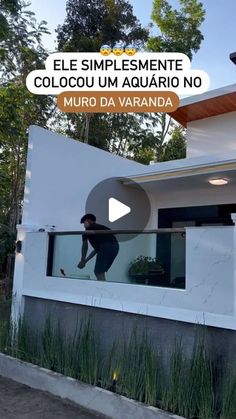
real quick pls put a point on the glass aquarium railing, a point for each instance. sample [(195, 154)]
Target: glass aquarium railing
[(151, 258)]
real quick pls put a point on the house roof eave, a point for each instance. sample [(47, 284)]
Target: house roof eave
[(212, 103), (182, 171)]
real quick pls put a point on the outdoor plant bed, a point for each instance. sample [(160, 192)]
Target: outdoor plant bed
[(191, 386)]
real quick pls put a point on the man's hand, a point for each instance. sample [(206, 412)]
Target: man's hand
[(81, 264)]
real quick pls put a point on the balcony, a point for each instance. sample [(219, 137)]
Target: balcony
[(155, 258), (193, 281)]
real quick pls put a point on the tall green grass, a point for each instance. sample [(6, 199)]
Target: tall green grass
[(51, 347), (110, 368), (5, 311), (200, 391), (138, 369), (87, 347), (134, 368), (189, 388), (174, 385), (5, 308), (229, 394), (4, 331), (76, 356)]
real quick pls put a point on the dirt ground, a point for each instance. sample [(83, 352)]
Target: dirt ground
[(18, 401)]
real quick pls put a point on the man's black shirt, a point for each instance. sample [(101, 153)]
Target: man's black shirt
[(97, 239)]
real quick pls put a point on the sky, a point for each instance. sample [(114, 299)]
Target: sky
[(218, 29)]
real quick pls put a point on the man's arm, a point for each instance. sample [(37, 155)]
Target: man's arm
[(92, 254), (84, 251)]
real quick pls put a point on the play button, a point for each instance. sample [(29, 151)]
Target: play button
[(117, 210), (120, 204)]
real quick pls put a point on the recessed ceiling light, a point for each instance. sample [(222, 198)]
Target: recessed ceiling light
[(218, 181)]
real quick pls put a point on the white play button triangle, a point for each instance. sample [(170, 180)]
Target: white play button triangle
[(117, 210)]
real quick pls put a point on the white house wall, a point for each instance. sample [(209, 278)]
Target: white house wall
[(214, 135), (60, 174)]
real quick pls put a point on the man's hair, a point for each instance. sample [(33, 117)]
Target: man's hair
[(88, 217)]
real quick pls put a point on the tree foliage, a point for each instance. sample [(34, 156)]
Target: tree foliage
[(8, 8), (21, 51), (90, 24), (87, 26), (18, 109), (114, 132), (179, 32), (179, 29), (175, 148)]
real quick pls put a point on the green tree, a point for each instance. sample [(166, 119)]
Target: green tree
[(179, 29), (90, 128), (21, 51), (8, 8), (175, 148), (179, 32), (90, 24), (144, 155), (18, 109), (155, 129), (118, 133), (87, 27)]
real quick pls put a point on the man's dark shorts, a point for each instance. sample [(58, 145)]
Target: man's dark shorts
[(106, 256)]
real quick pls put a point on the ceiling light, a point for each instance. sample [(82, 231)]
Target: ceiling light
[(218, 181)]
